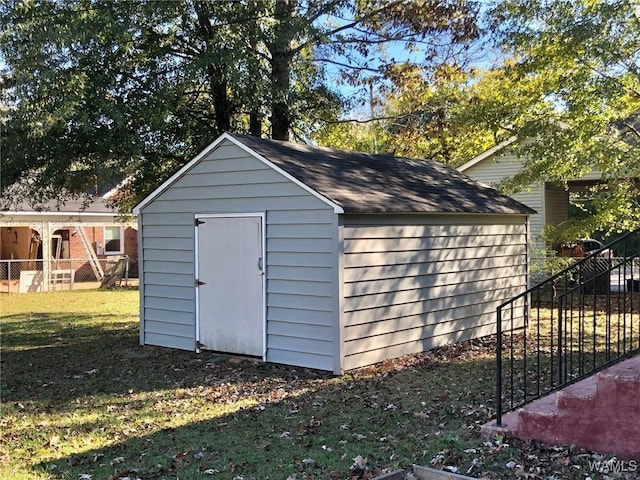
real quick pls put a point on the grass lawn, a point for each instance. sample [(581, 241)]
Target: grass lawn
[(81, 397)]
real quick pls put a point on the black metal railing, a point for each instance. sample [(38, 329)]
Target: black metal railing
[(574, 323)]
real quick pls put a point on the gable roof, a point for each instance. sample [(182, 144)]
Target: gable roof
[(355, 182), (487, 153)]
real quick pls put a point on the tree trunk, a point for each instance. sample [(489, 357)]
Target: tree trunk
[(281, 57), (255, 116), (222, 106), (255, 124)]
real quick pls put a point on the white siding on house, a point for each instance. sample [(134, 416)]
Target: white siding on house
[(551, 202), (413, 283), (493, 170), (301, 256)]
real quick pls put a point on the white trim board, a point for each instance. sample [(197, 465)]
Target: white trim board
[(487, 153)]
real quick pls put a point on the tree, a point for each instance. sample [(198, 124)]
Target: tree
[(103, 90), (98, 91), (575, 97), (439, 114), (568, 86)]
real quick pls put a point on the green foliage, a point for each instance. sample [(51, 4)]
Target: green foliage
[(360, 137), (568, 88), (576, 82), (424, 113), (436, 115), (106, 89), (98, 91), (545, 264)]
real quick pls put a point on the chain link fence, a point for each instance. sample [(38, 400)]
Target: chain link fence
[(25, 276)]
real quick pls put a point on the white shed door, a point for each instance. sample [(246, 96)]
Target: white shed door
[(231, 298)]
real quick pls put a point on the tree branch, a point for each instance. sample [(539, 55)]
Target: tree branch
[(361, 121), (632, 128), (614, 79), (349, 25), (346, 65)]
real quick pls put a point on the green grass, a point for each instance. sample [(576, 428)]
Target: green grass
[(81, 396)]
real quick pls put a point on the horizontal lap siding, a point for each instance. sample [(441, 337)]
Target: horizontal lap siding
[(300, 258), (168, 292), (301, 283), (535, 200), (556, 204), (416, 286), (493, 170)]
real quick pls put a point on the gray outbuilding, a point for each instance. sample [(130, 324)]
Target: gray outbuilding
[(323, 258)]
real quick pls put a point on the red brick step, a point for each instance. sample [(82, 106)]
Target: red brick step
[(600, 413)]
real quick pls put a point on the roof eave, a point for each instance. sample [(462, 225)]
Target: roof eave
[(227, 136), (173, 178), (487, 153)]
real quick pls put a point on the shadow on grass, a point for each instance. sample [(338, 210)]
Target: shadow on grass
[(62, 357), (92, 401), (300, 421)]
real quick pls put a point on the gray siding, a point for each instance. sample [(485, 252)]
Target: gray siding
[(301, 258), (168, 299), (301, 277), (413, 283)]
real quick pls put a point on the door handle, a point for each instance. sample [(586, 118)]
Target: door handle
[(260, 266)]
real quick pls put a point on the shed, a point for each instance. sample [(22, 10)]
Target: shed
[(323, 258)]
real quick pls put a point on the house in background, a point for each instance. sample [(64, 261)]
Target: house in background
[(64, 244), (550, 201), (324, 258)]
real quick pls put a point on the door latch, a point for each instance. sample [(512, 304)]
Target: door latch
[(260, 266)]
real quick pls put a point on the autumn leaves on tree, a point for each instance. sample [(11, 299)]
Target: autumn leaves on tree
[(93, 91)]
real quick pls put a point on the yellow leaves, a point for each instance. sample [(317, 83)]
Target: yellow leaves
[(54, 441), (25, 6), (406, 74)]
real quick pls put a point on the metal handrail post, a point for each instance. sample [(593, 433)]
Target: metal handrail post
[(560, 342), (499, 368)]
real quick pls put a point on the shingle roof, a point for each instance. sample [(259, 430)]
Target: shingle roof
[(367, 183), (74, 206)]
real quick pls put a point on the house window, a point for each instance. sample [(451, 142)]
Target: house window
[(113, 240)]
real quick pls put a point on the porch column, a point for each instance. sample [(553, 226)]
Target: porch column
[(46, 256)]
